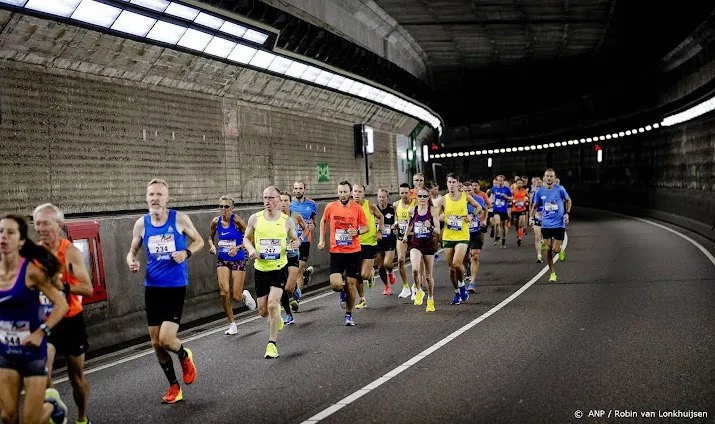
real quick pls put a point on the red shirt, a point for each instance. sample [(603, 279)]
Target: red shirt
[(342, 218)]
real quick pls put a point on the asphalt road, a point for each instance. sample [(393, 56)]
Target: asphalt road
[(629, 328)]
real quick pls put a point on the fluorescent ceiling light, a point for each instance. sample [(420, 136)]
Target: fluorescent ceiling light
[(133, 23), (336, 81), (346, 85), (476, 153), (195, 40), (484, 152), (14, 2), (311, 74), (233, 29), (656, 125), (63, 8), (262, 59), (220, 47), (255, 36), (551, 144), (324, 77), (242, 54), (181, 11), (502, 150), (628, 132), (96, 13), (296, 69), (539, 147), (508, 150), (491, 151), (166, 32), (648, 128), (364, 91), (158, 5), (280, 65), (209, 21), (356, 88), (558, 144), (641, 129), (449, 155), (460, 154)]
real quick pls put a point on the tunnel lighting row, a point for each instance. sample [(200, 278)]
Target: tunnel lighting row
[(693, 112), (110, 17), (546, 145)]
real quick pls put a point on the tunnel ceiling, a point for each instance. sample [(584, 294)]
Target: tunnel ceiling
[(494, 59)]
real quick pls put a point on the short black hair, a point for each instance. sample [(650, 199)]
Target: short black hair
[(404, 185), (453, 175)]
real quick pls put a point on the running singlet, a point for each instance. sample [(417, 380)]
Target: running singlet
[(501, 203), (403, 216), (292, 253), (307, 209), (476, 223), (270, 242), (369, 238), (341, 219), (20, 315), (228, 238), (74, 300), (161, 242), (389, 219), (553, 203), (455, 213), (519, 200)]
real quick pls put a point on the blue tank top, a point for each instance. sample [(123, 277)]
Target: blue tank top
[(20, 315), (227, 238), (475, 224), (161, 242)]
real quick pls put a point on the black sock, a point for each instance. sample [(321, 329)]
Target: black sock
[(183, 354), (271, 341), (285, 302), (503, 241), (168, 368)]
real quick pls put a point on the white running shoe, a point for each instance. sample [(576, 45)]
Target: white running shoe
[(404, 293), (248, 299), (413, 294), (232, 329)]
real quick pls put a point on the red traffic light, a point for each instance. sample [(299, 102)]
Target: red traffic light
[(597, 147)]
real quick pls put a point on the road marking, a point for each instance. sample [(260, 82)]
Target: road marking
[(149, 351), (425, 353)]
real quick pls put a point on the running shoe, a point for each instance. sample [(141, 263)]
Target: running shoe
[(430, 305), (419, 297), (343, 299), (413, 293), (188, 368), (387, 291), (349, 321), (296, 293), (405, 292), (288, 320), (518, 242), (539, 259), (249, 300), (543, 245), (562, 255), (503, 246), (392, 278), (553, 278), (464, 296), (173, 395), (232, 329), (59, 409), (308, 275), (294, 305), (456, 300), (361, 305), (371, 281), (472, 288), (271, 351)]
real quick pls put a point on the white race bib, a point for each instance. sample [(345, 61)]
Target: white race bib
[(421, 229), (387, 230), (474, 225), (12, 333), (225, 246), (519, 203), (270, 249), (538, 216), (161, 244), (402, 225), (551, 207), (454, 222), (499, 202), (342, 237), (46, 304)]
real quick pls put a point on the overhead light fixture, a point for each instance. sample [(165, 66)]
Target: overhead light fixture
[(608, 136), (621, 134), (478, 153), (656, 125), (449, 155), (220, 47), (195, 40), (181, 11), (255, 36), (311, 73), (521, 149), (242, 54), (508, 150), (324, 77), (551, 144), (628, 132), (502, 150), (262, 59), (489, 162), (209, 20), (484, 152), (588, 140), (14, 2), (425, 153), (96, 13), (156, 5), (491, 151), (166, 32), (280, 65), (233, 29), (558, 144), (133, 23), (601, 138), (63, 8), (599, 156), (296, 69), (539, 147), (648, 128)]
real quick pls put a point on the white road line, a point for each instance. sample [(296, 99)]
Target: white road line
[(425, 353), (188, 339)]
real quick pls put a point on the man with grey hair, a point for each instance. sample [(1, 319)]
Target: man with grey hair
[(69, 337), (165, 233)]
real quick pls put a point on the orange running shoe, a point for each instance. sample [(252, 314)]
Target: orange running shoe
[(188, 368), (173, 395)]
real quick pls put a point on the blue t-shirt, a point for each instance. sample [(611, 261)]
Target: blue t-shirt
[(475, 224), (553, 204), (501, 201), (307, 209)]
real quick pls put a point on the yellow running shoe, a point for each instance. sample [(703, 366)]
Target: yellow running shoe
[(280, 322), (361, 305), (552, 279), (419, 297), (430, 305), (562, 255), (271, 351)]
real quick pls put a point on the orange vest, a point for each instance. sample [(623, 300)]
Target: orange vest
[(74, 300), (520, 198)]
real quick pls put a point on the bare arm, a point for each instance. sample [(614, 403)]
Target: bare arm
[(37, 278), (75, 266), (477, 207), (435, 220), (239, 223), (323, 223), (301, 222), (183, 222), (212, 234), (292, 233), (248, 238), (137, 236), (381, 218)]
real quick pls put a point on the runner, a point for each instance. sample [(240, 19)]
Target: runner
[(476, 237), (386, 245), (368, 241), (518, 210), (308, 210), (557, 206), (164, 232), (293, 256), (270, 230), (69, 337), (562, 253), (455, 240), (434, 193), (491, 220), (418, 182), (25, 270), (231, 264), (501, 196), (476, 189), (347, 221), (436, 197), (402, 212), (536, 221), (424, 222)]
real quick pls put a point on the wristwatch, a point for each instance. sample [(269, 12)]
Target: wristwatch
[(45, 329), (188, 253)]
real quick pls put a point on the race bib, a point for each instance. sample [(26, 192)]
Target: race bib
[(225, 246), (160, 244), (519, 203), (499, 202), (270, 249), (387, 230), (551, 207), (474, 226), (299, 231), (12, 333), (46, 304), (454, 222), (538, 215), (402, 225), (421, 229), (343, 238)]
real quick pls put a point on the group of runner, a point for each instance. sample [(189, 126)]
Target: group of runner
[(42, 284)]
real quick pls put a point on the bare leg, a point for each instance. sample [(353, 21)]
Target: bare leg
[(224, 273)]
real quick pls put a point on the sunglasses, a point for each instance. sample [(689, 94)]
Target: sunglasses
[(422, 196), (224, 206)]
